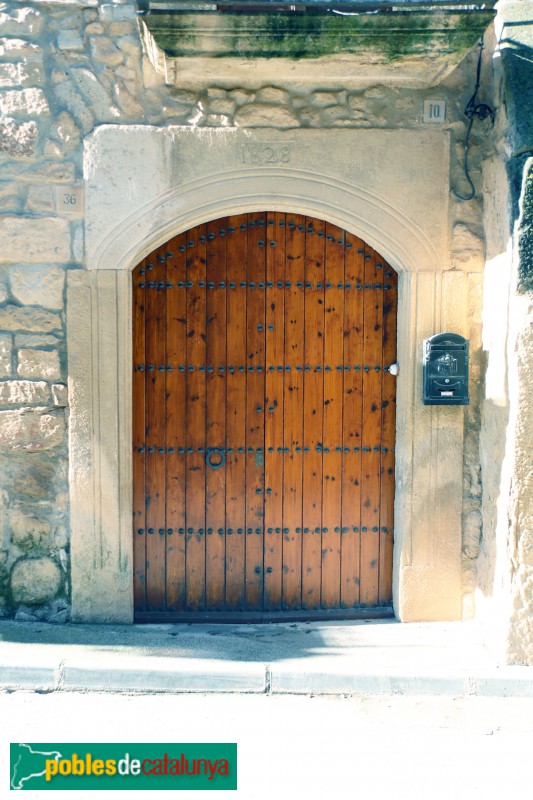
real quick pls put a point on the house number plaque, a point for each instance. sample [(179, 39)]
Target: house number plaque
[(69, 199)]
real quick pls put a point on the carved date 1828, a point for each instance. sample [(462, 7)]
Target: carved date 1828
[(267, 153)]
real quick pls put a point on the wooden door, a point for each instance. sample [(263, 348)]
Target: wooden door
[(263, 421)]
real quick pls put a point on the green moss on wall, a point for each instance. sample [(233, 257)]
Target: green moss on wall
[(314, 35)]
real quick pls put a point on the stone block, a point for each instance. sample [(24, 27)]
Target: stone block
[(3, 293), (12, 48), (69, 40), (29, 533), (265, 116), (94, 29), (35, 580), (67, 94), (53, 149), (272, 95), (127, 103), (28, 102), (65, 130), (26, 320), (18, 138), (222, 106), (31, 430), (55, 173), (25, 21), (105, 51), (36, 340), (39, 364), (60, 395), (6, 349), (98, 98), (29, 240), (468, 249), (120, 29), (325, 98), (24, 393), (60, 536), (34, 480), (40, 199), (38, 286)]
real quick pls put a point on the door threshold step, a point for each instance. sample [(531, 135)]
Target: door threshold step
[(236, 617)]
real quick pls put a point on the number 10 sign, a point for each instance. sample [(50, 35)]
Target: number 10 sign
[(69, 199)]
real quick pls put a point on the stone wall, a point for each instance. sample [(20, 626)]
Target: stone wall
[(67, 67)]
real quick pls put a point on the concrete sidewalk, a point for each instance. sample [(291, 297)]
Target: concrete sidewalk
[(357, 657)]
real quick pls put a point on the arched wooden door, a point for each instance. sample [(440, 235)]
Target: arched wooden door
[(264, 421)]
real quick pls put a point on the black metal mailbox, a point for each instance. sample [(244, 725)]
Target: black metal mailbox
[(445, 370)]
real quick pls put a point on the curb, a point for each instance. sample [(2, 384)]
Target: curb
[(149, 675)]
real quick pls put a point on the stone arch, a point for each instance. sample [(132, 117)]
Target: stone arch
[(183, 177)]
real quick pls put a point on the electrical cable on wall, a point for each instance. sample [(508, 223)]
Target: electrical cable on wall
[(473, 110)]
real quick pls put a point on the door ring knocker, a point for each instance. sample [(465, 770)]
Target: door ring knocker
[(215, 457)]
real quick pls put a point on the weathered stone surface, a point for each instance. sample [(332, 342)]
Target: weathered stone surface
[(10, 76), (271, 94), (28, 532), (104, 51), (64, 172), (42, 286), (29, 240), (20, 48), (67, 94), (100, 101), (468, 250), (34, 479), (31, 430), (20, 21), (69, 40), (120, 29), (6, 349), (127, 103), (65, 130), (60, 536), (3, 293), (15, 318), (29, 102), (35, 580), (40, 199), (325, 98), (39, 364), (53, 149), (60, 395), (265, 116), (222, 106), (25, 393), (36, 340), (94, 29), (18, 138)]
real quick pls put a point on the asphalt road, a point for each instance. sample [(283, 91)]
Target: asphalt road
[(292, 747)]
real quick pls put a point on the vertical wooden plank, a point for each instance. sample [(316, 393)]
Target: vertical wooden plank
[(139, 438), (196, 418), (175, 415), (353, 421), (275, 356), (388, 433), (293, 405), (333, 399), (216, 413), (255, 410), (155, 430), (313, 412), (371, 456), (236, 258)]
